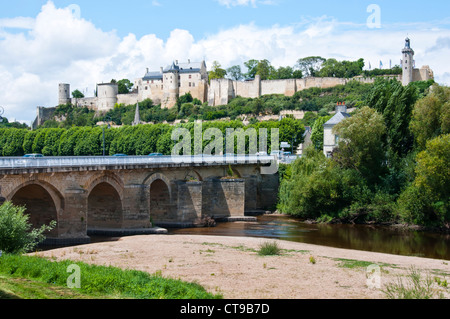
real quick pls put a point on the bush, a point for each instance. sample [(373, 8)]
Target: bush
[(15, 234), (269, 249)]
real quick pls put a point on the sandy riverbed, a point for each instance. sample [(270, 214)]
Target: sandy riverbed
[(231, 266)]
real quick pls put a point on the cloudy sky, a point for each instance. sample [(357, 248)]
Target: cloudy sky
[(43, 43)]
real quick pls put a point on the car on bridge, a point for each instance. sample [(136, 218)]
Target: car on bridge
[(155, 154), (120, 155), (33, 155)]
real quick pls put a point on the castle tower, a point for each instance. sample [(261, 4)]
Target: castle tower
[(107, 96), (171, 86), (407, 63), (64, 94)]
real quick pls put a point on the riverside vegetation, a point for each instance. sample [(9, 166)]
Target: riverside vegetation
[(392, 164)]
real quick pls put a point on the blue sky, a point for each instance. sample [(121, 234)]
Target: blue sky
[(202, 17), (43, 43)]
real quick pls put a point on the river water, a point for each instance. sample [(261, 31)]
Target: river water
[(359, 237)]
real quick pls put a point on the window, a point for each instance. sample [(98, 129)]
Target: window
[(146, 88), (190, 84), (193, 84), (190, 76)]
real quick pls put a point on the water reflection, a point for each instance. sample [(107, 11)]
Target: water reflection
[(359, 237)]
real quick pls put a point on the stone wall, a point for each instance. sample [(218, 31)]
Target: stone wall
[(221, 91)]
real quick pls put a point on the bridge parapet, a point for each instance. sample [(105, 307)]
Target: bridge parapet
[(125, 162)]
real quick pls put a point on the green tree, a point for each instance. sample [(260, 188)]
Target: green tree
[(317, 131), (264, 69), (28, 142), (310, 66), (361, 144), (251, 66), (395, 102), (317, 188), (426, 201), (124, 86), (431, 116), (77, 94), (51, 142), (283, 73), (16, 233), (235, 73), (216, 71), (13, 142)]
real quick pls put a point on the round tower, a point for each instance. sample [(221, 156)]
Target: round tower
[(171, 85), (64, 94), (407, 63), (107, 96)]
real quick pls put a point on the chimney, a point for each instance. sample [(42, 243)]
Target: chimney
[(189, 61), (176, 62), (161, 69), (341, 107), (147, 70)]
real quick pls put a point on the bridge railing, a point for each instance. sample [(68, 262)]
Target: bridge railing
[(80, 161)]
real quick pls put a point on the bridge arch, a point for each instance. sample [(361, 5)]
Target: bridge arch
[(159, 196), (105, 203), (192, 173), (43, 202)]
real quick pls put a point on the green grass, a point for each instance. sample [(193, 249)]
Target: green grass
[(19, 288), (269, 249), (414, 287), (96, 281), (351, 263)]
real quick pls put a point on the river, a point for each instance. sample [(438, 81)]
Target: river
[(359, 237)]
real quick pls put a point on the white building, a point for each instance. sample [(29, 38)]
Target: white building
[(331, 140)]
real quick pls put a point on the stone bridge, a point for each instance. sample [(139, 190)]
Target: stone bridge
[(131, 195)]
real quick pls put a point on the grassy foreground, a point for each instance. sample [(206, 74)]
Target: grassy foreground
[(32, 277)]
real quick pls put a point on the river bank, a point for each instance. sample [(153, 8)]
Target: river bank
[(232, 267)]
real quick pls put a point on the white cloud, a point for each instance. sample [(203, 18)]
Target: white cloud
[(59, 47), (18, 22)]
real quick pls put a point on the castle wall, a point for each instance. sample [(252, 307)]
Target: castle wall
[(128, 99), (89, 102), (286, 87), (422, 74), (198, 89)]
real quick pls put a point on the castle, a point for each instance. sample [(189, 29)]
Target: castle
[(165, 85)]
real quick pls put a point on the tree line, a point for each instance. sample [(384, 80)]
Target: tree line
[(313, 66), (392, 163), (129, 140)]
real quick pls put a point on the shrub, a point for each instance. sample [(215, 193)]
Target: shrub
[(15, 234), (269, 249)]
